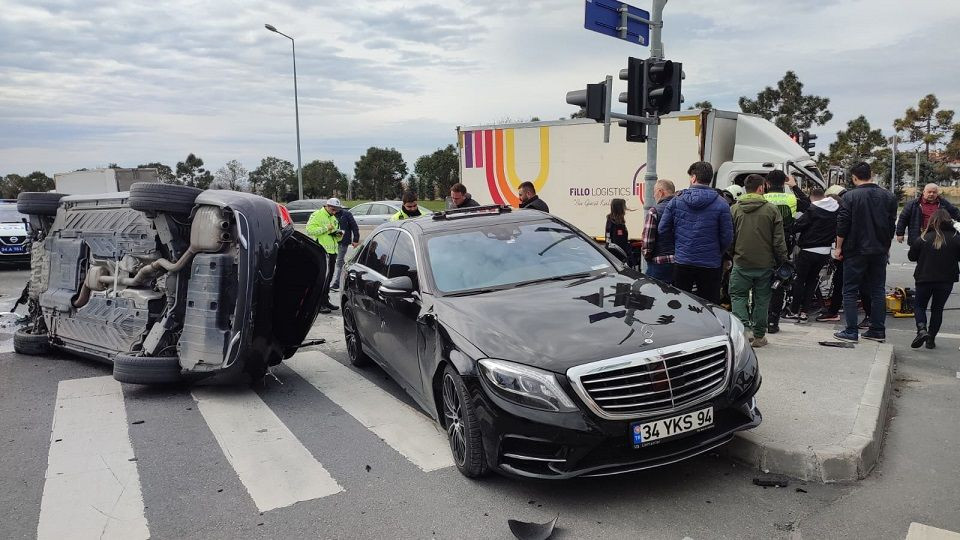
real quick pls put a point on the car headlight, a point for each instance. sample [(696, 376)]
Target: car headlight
[(525, 385), (737, 336)]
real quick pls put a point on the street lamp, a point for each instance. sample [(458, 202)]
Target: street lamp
[(296, 104)]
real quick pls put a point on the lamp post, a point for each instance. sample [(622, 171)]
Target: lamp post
[(296, 105)]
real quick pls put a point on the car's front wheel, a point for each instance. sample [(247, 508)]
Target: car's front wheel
[(147, 369), (30, 344), (354, 349), (463, 427)]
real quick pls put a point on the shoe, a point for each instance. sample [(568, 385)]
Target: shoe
[(803, 319), (773, 328), (324, 309), (331, 307), (749, 335), (759, 342), (931, 342), (828, 317), (865, 323), (874, 335), (920, 339), (844, 335)]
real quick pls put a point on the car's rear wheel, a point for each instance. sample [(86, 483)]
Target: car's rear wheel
[(30, 344), (39, 203), (354, 349), (147, 369), (169, 198), (463, 427)]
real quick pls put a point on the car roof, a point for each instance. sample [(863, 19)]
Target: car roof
[(428, 224)]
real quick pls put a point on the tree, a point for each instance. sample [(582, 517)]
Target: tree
[(164, 172), (705, 104), (274, 178), (190, 172), (439, 170), (232, 176), (857, 143), (379, 173), (14, 184), (322, 179), (787, 107), (582, 113), (926, 124)]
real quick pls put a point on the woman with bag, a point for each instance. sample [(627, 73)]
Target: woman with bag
[(937, 254)]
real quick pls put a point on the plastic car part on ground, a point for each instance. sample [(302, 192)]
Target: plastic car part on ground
[(532, 531)]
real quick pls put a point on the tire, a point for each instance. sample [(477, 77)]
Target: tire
[(147, 369), (30, 344), (462, 425), (168, 198), (354, 348), (39, 203)]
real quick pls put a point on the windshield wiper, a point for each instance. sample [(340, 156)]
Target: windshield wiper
[(471, 292), (578, 275)]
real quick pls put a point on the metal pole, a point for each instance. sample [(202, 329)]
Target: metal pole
[(916, 176), (650, 177), (893, 163), (296, 108)]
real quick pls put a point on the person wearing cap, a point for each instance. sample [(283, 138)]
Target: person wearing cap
[(758, 247), (351, 237), (735, 192), (324, 227)]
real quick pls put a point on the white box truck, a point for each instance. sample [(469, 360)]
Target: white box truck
[(577, 174), (96, 181)]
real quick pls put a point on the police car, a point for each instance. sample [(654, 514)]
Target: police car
[(14, 239)]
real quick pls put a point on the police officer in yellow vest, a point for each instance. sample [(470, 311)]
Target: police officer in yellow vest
[(324, 227), (788, 202), (409, 209)]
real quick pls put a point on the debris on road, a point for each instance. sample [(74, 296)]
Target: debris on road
[(839, 344), (771, 480), (532, 531)]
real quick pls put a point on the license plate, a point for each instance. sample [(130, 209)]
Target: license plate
[(657, 430), (11, 249)]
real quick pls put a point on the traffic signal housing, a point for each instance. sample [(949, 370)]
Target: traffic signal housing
[(661, 86), (633, 97), (806, 141), (593, 100)]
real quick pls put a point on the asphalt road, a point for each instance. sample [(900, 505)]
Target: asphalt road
[(192, 489)]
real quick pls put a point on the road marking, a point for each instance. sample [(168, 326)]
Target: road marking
[(92, 488), (919, 531), (406, 429), (272, 464)]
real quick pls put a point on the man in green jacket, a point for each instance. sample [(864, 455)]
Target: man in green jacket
[(324, 227), (758, 248)]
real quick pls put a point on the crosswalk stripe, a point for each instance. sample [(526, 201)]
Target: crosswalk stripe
[(919, 531), (404, 428), (92, 488), (273, 465)]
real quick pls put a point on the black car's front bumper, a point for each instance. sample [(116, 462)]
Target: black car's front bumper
[(524, 442)]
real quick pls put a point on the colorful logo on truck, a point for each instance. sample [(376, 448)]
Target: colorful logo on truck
[(494, 151)]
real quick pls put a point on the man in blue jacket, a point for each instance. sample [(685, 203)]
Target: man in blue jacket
[(351, 237), (699, 220)]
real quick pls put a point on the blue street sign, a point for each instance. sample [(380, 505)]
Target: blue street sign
[(604, 16)]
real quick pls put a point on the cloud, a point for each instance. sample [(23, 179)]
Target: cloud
[(93, 82)]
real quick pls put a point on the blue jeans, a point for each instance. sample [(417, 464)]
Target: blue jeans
[(871, 272), (663, 272), (341, 254)]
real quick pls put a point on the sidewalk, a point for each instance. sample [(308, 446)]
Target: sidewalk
[(823, 408)]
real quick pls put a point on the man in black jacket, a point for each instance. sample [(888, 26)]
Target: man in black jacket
[(351, 237), (818, 230), (529, 199), (865, 230), (916, 213), (459, 198)]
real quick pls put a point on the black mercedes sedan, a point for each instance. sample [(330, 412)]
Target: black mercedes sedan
[(538, 352)]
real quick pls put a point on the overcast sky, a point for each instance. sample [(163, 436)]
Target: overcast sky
[(87, 83)]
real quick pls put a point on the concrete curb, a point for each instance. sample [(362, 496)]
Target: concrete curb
[(850, 460)]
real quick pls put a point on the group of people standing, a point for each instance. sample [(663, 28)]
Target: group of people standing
[(749, 241)]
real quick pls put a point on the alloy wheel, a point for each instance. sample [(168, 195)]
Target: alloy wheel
[(453, 412), (350, 333)]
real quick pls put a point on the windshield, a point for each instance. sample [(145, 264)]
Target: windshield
[(807, 177), (509, 254), (9, 214)]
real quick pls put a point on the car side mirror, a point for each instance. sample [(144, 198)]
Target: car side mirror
[(398, 287), (617, 252)]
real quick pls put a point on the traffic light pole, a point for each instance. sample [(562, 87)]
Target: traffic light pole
[(650, 177)]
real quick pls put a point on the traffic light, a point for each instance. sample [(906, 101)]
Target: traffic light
[(806, 141), (593, 100), (633, 97), (661, 82)]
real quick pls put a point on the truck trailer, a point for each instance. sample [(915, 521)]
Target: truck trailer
[(98, 181), (577, 174)]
